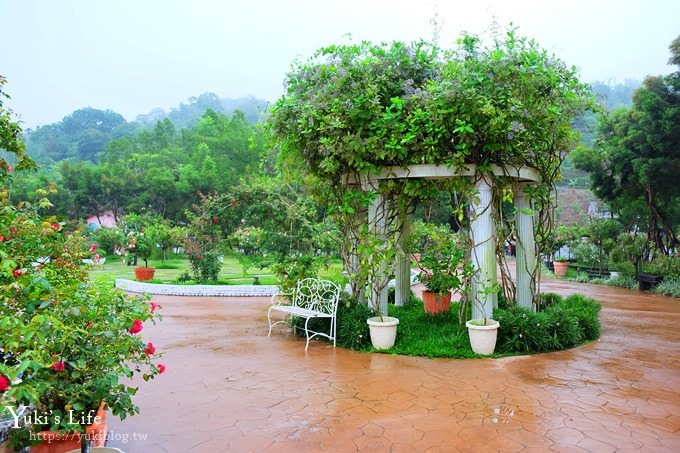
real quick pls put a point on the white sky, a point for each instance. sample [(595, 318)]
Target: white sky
[(133, 55)]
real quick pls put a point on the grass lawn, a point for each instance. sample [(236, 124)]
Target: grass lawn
[(168, 271), (420, 334)]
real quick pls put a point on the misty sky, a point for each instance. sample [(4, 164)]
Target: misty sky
[(132, 56)]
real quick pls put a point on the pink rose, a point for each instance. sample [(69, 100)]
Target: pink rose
[(161, 368), (150, 349), (59, 366)]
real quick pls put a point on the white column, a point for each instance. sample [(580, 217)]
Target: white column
[(482, 231), (402, 284), (526, 250), (377, 222)]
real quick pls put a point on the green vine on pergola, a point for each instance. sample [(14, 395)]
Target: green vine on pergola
[(353, 110)]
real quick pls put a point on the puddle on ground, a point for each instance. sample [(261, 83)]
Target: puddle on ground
[(501, 414)]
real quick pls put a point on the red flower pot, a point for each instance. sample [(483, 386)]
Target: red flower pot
[(436, 304), (61, 442), (144, 273)]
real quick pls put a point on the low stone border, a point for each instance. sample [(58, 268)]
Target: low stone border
[(163, 289), (197, 290)]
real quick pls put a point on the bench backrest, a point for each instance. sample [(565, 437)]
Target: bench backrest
[(318, 295)]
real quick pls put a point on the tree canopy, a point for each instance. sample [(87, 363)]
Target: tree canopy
[(635, 161)]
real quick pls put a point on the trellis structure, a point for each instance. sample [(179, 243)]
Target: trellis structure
[(482, 233)]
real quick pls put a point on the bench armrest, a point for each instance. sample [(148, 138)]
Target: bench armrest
[(280, 299)]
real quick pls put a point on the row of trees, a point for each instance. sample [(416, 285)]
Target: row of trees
[(161, 170)]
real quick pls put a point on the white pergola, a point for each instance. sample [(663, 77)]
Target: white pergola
[(482, 233)]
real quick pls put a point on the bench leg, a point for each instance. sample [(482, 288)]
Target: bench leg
[(272, 324), (307, 334)]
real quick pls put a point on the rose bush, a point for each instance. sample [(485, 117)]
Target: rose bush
[(67, 344)]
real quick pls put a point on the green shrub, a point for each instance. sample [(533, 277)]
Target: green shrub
[(622, 281), (666, 266), (352, 327), (670, 287), (563, 324), (587, 311), (547, 300)]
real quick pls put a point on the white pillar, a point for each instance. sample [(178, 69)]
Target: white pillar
[(377, 222), (526, 250), (482, 231), (402, 284)]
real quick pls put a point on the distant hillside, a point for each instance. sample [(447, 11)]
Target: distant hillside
[(84, 134), (611, 96), (187, 114)]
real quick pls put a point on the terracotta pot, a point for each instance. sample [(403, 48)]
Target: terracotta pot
[(436, 304), (144, 273), (61, 442), (561, 268)]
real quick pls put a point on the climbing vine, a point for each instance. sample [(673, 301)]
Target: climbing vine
[(351, 111)]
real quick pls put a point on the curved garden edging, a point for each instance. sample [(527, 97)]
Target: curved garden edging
[(197, 290), (166, 289)]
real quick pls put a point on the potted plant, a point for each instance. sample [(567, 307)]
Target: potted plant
[(377, 250), (141, 245), (561, 266), (442, 270)]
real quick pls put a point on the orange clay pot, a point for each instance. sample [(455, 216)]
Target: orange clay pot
[(561, 268), (144, 273), (61, 442), (436, 304)]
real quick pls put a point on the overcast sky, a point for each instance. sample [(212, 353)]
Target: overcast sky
[(133, 55)]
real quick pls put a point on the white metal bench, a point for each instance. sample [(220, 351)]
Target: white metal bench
[(313, 298)]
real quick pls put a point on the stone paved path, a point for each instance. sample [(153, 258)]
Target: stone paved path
[(231, 388)]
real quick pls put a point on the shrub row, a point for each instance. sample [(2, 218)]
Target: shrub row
[(563, 323), (670, 287)]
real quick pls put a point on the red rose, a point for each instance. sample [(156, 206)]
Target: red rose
[(136, 326), (215, 219), (56, 226), (150, 349), (154, 306), (93, 247), (17, 273), (199, 257), (89, 324), (4, 383), (161, 368), (59, 366)]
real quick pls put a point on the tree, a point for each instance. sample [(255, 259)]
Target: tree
[(636, 159), (10, 139)]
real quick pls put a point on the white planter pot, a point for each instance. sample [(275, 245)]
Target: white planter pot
[(483, 337), (383, 333), (614, 274)]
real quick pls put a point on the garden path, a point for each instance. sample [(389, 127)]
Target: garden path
[(231, 388)]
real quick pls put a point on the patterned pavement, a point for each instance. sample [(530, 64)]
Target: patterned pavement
[(231, 388)]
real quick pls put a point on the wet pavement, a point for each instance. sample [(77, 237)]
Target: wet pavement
[(228, 387)]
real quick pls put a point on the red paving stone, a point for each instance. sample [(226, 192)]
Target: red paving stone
[(231, 388)]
